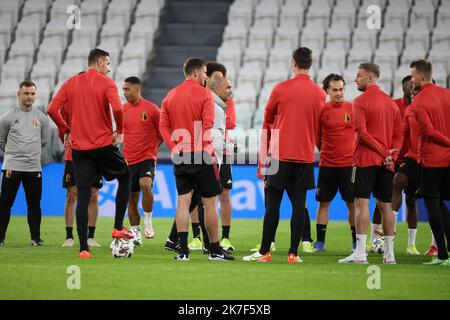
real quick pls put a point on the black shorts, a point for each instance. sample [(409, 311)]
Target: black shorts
[(291, 175), (226, 177), (410, 169), (69, 179), (435, 183), (107, 162), (330, 180), (376, 180), (202, 176), (144, 169)]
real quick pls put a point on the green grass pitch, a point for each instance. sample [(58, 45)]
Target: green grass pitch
[(152, 273)]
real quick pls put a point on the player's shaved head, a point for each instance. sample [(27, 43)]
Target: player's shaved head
[(222, 87)]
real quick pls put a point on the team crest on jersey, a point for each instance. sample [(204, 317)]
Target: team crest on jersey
[(35, 123), (144, 116), (347, 117)]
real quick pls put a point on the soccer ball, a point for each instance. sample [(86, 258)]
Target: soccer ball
[(122, 248), (378, 244)]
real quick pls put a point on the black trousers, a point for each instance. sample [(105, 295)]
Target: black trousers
[(32, 184), (297, 196)]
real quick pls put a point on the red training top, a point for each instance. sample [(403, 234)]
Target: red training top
[(293, 111), (378, 126), (411, 133), (187, 117), (402, 106), (88, 96), (141, 131), (336, 136), (431, 106), (66, 116)]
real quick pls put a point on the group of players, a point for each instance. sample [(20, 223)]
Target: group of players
[(359, 144)]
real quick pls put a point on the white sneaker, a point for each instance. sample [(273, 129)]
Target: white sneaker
[(92, 243), (354, 259), (137, 238), (258, 257), (68, 243), (149, 233)]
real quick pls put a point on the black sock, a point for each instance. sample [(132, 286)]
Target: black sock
[(215, 247), (353, 234), (321, 231), (196, 229), (226, 232), (183, 237), (69, 232), (173, 236), (201, 219), (91, 232)]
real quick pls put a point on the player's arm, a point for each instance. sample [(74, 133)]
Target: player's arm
[(230, 114), (397, 139), (266, 133), (45, 130), (359, 114), (208, 114), (164, 127), (426, 126), (112, 94), (4, 129), (54, 109), (156, 115), (319, 131)]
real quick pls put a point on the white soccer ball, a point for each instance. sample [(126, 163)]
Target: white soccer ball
[(122, 248), (378, 244)]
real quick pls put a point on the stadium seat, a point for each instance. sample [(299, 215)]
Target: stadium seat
[(262, 32), (334, 54), (250, 75), (230, 54), (51, 49), (339, 33), (313, 35), (293, 11), (397, 11), (319, 11), (413, 52), (45, 70), (36, 6), (418, 34), (423, 11), (358, 54), (15, 70), (344, 12), (245, 94), (281, 53), (364, 37), (256, 53), (236, 31), (392, 33), (241, 11), (288, 31), (275, 73), (267, 11), (387, 53)]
